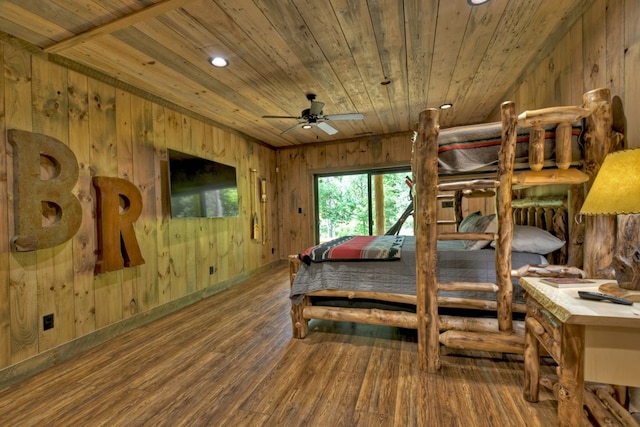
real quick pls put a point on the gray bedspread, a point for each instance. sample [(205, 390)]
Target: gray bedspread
[(454, 264)]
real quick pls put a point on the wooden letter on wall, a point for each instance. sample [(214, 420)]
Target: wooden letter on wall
[(118, 205), (45, 171)]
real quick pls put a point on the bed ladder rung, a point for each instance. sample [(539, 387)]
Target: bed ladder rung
[(476, 184), (466, 236), (468, 286)]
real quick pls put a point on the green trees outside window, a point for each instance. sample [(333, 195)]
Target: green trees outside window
[(346, 203)]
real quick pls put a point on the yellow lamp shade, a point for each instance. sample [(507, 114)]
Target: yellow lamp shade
[(616, 189)]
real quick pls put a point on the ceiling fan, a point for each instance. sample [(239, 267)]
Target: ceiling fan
[(313, 116)]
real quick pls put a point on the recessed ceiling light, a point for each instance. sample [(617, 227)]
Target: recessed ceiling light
[(477, 2), (446, 106), (306, 126), (219, 62)]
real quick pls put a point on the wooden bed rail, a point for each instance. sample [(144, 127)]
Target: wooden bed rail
[(563, 116)]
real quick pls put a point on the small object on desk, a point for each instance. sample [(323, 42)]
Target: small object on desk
[(599, 296), (568, 282)]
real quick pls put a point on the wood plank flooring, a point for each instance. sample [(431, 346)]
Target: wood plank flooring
[(229, 360)]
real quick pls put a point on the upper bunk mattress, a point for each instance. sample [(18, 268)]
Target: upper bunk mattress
[(468, 148)]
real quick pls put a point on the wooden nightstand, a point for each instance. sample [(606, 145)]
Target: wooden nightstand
[(590, 340)]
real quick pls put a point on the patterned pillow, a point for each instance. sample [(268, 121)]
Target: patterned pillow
[(477, 223)]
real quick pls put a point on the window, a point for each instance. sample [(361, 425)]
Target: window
[(346, 204)]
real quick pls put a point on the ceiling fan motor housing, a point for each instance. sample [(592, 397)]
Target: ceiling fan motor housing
[(306, 114)]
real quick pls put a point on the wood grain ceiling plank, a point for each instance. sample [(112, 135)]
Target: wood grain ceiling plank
[(240, 83), (94, 12), (125, 21), (326, 30), (279, 54), (477, 36), (420, 31), (450, 30), (357, 27), (388, 18), (529, 30), (32, 27), (129, 65), (498, 69), (291, 26), (209, 30)]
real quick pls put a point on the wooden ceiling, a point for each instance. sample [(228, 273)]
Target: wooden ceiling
[(386, 59)]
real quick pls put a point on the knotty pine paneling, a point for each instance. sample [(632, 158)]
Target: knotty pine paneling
[(117, 134), (600, 50), (5, 319)]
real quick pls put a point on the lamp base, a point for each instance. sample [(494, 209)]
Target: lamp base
[(612, 288)]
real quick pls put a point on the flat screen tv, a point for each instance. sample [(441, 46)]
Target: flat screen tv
[(201, 188)]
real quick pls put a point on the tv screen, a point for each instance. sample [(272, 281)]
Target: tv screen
[(201, 188)]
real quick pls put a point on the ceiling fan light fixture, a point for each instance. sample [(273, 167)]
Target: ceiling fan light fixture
[(219, 62), (446, 106), (477, 2)]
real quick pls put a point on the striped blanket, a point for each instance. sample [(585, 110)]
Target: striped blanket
[(355, 248), (466, 148)]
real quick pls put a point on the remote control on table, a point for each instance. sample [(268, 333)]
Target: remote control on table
[(599, 296)]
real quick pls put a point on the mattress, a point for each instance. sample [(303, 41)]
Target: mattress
[(455, 263), (468, 148)]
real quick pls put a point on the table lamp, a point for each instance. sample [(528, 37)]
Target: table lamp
[(616, 191)]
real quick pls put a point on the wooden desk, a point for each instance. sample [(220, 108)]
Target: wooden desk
[(590, 340)]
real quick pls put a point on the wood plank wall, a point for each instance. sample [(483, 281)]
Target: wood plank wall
[(602, 49), (595, 52), (116, 134)]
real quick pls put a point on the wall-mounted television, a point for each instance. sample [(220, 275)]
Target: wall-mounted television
[(201, 188)]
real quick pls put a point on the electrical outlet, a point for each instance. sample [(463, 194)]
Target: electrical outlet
[(47, 321), (212, 269)]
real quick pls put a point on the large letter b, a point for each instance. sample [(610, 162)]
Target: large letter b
[(47, 212)]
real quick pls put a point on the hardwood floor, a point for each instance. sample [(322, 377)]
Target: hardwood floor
[(229, 360)]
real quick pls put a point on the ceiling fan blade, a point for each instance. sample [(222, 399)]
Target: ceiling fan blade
[(292, 128), (316, 108), (327, 128), (280, 117), (347, 116)]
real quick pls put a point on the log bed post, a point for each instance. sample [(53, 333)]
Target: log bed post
[(300, 325), (506, 159), (426, 229), (599, 140)]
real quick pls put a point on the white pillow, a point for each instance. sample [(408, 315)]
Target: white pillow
[(476, 223), (533, 239)]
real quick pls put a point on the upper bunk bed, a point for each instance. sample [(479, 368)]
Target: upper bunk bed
[(351, 281)]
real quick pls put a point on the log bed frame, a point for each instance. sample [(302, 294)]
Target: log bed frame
[(501, 334)]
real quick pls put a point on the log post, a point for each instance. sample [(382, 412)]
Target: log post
[(599, 140), (571, 381), (563, 145), (536, 148), (299, 325), (506, 159), (531, 365), (425, 152), (575, 242)]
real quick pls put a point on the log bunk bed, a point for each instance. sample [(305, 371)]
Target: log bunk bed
[(501, 333)]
